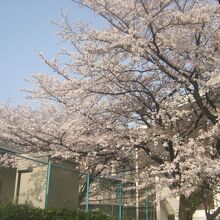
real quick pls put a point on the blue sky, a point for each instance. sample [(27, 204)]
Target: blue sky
[(26, 29)]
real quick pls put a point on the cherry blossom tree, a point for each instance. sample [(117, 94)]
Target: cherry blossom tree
[(149, 81)]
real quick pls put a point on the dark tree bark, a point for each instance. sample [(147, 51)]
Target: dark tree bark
[(214, 214), (188, 205), (185, 212)]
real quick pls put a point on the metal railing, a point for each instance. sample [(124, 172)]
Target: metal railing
[(109, 194)]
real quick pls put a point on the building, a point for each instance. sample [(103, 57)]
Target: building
[(39, 181), (168, 208)]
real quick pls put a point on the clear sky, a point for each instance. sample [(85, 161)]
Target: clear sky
[(26, 29)]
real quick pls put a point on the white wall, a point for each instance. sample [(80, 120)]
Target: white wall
[(163, 213)]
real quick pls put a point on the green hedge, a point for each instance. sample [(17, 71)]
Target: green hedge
[(25, 212)]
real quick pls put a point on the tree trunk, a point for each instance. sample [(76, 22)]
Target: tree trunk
[(214, 214), (185, 209)]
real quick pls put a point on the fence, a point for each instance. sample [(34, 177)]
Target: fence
[(119, 197), (38, 180)]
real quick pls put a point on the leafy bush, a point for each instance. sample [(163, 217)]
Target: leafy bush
[(25, 212)]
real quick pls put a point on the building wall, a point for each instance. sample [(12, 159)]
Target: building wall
[(33, 187), (199, 215), (174, 203), (64, 187), (27, 184), (163, 213), (7, 184)]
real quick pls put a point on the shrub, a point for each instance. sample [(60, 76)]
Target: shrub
[(25, 212)]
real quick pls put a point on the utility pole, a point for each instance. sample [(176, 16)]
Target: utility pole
[(137, 185)]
